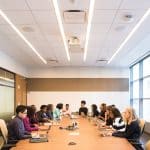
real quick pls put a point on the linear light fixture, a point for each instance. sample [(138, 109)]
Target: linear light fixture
[(91, 11), (55, 3), (21, 35), (130, 34)]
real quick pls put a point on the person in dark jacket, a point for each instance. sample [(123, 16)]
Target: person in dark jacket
[(41, 115), (133, 130), (83, 111), (95, 112), (16, 130)]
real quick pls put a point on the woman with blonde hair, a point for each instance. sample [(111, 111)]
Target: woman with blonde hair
[(132, 131)]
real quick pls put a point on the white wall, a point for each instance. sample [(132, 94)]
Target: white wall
[(8, 63), (120, 99), (80, 72)]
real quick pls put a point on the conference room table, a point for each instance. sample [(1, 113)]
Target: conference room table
[(87, 137)]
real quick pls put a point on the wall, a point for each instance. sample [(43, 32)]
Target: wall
[(20, 90), (8, 63), (67, 85), (79, 72), (120, 99)]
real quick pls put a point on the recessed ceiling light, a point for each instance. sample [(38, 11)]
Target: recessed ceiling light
[(91, 11), (130, 34), (21, 35), (27, 29)]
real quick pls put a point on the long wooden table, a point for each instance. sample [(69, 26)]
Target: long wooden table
[(87, 137)]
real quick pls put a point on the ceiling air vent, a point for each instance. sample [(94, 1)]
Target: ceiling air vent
[(74, 16), (101, 62), (52, 62)]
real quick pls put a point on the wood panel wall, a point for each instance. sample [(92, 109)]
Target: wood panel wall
[(20, 90), (77, 84)]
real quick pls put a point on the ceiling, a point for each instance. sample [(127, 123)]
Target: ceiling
[(108, 30)]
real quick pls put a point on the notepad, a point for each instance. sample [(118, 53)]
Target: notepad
[(74, 133)]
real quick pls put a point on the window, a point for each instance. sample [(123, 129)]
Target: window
[(146, 88), (146, 66), (146, 110), (6, 94), (140, 88), (136, 72)]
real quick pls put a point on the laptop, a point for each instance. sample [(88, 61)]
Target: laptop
[(40, 138)]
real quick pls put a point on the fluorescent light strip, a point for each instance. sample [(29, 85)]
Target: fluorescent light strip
[(21, 35), (55, 3), (91, 11), (130, 35)]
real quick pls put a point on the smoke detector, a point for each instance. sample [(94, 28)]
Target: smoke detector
[(128, 17)]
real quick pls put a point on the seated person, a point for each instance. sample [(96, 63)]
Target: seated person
[(57, 111), (41, 115), (26, 121), (33, 116), (83, 111), (118, 123), (108, 119), (49, 111), (66, 111), (102, 112), (95, 112), (133, 130), (16, 130)]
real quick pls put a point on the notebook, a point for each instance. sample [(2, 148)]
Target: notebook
[(40, 138)]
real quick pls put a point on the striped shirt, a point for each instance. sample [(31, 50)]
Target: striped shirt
[(119, 124)]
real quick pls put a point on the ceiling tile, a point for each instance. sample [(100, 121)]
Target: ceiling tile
[(13, 5), (135, 4), (74, 4), (20, 17), (7, 30), (45, 17), (107, 4), (103, 16), (50, 29), (40, 5), (97, 29)]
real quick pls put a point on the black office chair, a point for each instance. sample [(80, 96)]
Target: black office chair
[(5, 144)]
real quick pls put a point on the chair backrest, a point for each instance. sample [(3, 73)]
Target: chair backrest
[(2, 142), (4, 130), (142, 125), (147, 146)]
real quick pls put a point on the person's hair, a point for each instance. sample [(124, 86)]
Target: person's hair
[(132, 113), (109, 108), (94, 107), (31, 111), (20, 108), (103, 105), (50, 107), (67, 104), (59, 106), (43, 107), (116, 113), (83, 102)]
